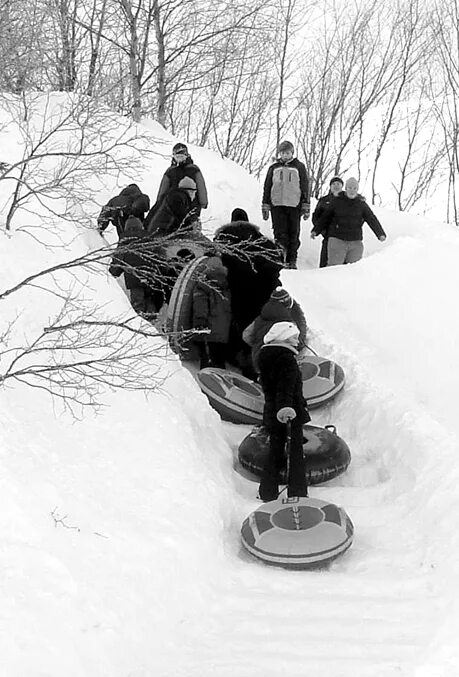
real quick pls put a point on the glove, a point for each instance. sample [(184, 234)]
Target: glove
[(381, 238), (265, 212), (286, 414), (313, 235), (305, 210)]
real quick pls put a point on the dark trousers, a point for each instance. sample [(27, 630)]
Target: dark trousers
[(211, 354), (286, 230), (323, 261), (296, 481)]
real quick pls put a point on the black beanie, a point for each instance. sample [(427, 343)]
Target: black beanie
[(337, 178)]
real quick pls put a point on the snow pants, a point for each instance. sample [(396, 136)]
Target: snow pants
[(286, 230), (296, 481), (211, 354), (343, 251), (324, 253)]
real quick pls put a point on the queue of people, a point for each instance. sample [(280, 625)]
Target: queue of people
[(241, 313)]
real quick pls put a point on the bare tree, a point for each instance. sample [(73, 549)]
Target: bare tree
[(61, 147)]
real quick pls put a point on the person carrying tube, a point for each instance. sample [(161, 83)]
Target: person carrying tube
[(282, 385)]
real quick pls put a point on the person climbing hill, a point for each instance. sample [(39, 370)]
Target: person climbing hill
[(130, 202), (182, 166), (280, 307), (282, 385)]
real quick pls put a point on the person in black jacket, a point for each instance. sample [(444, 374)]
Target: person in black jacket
[(282, 385), (343, 221), (130, 202), (286, 196), (336, 186), (132, 258), (280, 307), (176, 211), (254, 264), (182, 165)]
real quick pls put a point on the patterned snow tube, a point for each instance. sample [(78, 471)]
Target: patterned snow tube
[(297, 533)]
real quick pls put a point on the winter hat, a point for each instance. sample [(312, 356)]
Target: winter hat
[(187, 184), (337, 178), (352, 183), (282, 296), (285, 145), (281, 332), (180, 148), (239, 214)]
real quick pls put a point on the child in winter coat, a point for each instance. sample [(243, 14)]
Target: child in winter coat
[(280, 307), (130, 259), (286, 196), (282, 386), (212, 311)]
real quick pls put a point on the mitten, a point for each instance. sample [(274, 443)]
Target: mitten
[(265, 212), (286, 414), (305, 210)]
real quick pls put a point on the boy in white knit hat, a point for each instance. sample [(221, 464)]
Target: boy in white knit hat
[(280, 378)]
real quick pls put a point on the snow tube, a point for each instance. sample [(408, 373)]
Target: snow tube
[(180, 308), (297, 533), (187, 248), (236, 398), (322, 380), (326, 454)]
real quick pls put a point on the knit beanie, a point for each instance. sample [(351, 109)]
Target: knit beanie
[(281, 332), (337, 178), (282, 296), (187, 184), (285, 145), (180, 148)]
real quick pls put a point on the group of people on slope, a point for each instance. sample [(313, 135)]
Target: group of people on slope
[(240, 311), (339, 216), (149, 273)]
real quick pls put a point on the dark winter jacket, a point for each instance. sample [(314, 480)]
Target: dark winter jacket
[(130, 256), (322, 205), (176, 173), (274, 311), (287, 185), (130, 202), (212, 303), (282, 384), (254, 263), (174, 213), (345, 217)]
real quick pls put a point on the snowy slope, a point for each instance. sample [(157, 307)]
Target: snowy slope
[(121, 553)]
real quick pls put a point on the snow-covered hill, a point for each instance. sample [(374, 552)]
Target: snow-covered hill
[(120, 548)]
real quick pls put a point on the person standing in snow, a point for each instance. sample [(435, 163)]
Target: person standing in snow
[(286, 197), (211, 310), (336, 186), (280, 307), (343, 221), (282, 385), (182, 166)]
